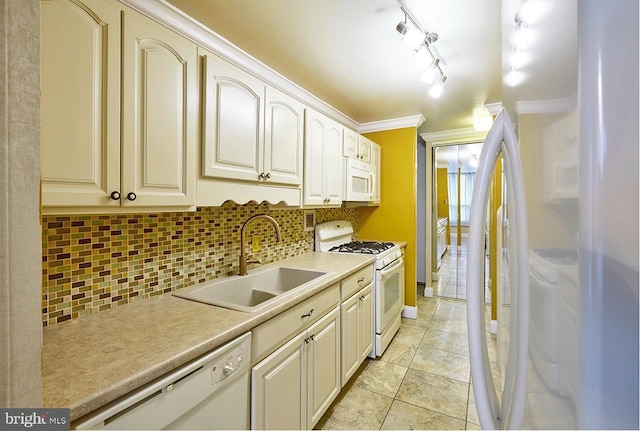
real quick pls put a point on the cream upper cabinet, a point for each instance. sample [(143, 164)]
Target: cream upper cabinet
[(93, 53), (356, 146), (159, 111), (233, 134), (376, 152), (350, 146), (322, 161), (283, 136), (252, 132), (80, 103), (364, 149)]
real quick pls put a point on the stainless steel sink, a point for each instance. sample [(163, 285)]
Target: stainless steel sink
[(253, 292)]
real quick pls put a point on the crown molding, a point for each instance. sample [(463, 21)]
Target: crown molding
[(178, 21), (454, 136), (545, 106), (396, 123)]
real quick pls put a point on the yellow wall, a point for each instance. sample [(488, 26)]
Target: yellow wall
[(395, 218)]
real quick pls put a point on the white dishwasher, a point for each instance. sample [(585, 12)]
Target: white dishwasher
[(211, 392)]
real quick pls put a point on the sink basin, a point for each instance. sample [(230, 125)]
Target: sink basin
[(253, 292)]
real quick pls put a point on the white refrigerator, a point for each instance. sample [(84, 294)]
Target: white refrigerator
[(568, 253)]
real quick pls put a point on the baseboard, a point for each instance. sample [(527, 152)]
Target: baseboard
[(410, 312), (493, 327), (428, 292), (434, 276)]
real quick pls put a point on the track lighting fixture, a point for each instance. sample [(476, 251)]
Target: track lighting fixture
[(430, 74), (436, 90), (411, 36), (420, 41)]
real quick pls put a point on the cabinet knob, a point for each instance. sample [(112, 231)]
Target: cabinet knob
[(262, 175), (268, 175), (132, 196), (115, 195)]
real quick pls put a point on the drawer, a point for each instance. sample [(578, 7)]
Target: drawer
[(273, 333), (355, 282)]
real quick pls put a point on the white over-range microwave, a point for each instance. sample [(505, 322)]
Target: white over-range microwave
[(360, 181)]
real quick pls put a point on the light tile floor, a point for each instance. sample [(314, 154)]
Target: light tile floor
[(452, 274), (422, 381)]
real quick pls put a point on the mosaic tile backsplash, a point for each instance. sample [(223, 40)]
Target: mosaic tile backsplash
[(96, 262)]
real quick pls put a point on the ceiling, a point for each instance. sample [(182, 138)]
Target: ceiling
[(349, 54), (453, 157)]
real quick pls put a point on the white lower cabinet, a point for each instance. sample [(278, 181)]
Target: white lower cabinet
[(294, 386), (357, 331)]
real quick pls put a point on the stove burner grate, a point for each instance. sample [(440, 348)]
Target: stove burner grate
[(363, 247)]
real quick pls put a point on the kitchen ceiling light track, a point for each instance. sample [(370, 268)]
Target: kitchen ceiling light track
[(420, 41)]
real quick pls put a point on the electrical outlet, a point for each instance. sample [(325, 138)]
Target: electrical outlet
[(256, 240)]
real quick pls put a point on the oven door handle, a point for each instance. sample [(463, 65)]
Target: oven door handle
[(393, 266)]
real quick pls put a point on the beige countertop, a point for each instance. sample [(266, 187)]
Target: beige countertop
[(91, 361)]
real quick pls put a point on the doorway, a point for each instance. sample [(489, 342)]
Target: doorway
[(454, 168)]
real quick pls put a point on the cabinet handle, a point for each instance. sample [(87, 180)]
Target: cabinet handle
[(360, 280), (362, 298), (313, 337), (115, 195), (308, 314), (132, 196)]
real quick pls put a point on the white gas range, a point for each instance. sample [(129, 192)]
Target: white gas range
[(336, 237)]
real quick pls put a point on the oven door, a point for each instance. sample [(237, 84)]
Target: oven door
[(389, 294)]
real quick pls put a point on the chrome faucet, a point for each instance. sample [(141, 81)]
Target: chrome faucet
[(243, 257)]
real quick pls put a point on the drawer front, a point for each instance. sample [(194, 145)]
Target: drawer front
[(273, 333), (355, 282)]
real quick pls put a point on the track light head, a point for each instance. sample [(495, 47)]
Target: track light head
[(436, 90), (431, 38), (412, 36)]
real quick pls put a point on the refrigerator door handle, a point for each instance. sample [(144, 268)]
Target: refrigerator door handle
[(501, 139)]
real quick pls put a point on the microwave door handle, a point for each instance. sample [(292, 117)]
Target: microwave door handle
[(372, 179)]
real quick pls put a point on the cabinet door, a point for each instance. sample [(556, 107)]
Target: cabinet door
[(284, 131), (279, 388), (375, 161), (159, 111), (365, 322), (334, 186), (350, 144), (350, 352), (364, 149), (233, 133), (80, 104), (324, 365), (315, 135)]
